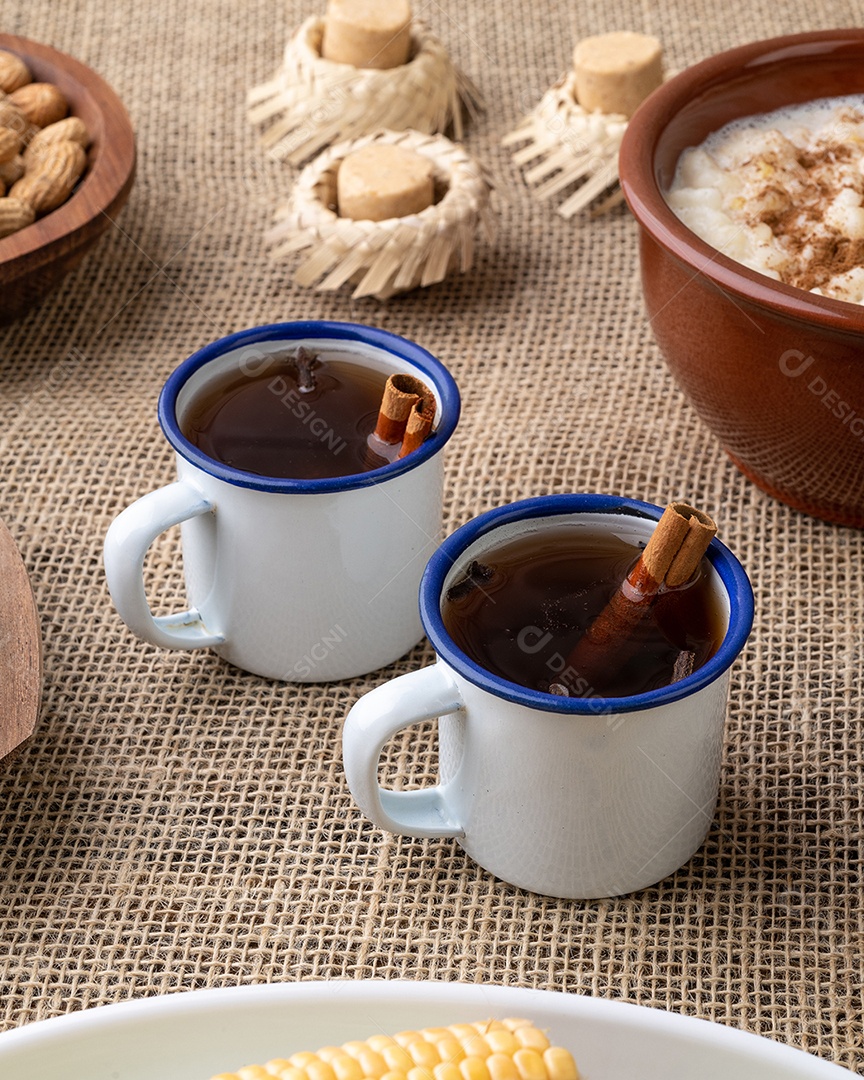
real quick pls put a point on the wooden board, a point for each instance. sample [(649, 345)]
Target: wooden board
[(20, 650)]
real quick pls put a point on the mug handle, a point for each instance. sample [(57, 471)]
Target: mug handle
[(126, 544), (375, 718)]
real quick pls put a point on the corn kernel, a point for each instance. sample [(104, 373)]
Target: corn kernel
[(327, 1053), (344, 1067), (434, 1034), (475, 1045), (450, 1049), (419, 1073), (532, 1038), (397, 1057), (424, 1054), (276, 1065), (254, 1072), (394, 1074), (405, 1038), (513, 1023), (378, 1042), (225, 1076), (502, 1041), (303, 1059), (462, 1031), (447, 1071), (484, 1026), (473, 1068), (319, 1070), (501, 1067), (290, 1072), (560, 1064), (530, 1065), (371, 1064)]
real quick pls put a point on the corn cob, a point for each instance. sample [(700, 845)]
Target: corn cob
[(488, 1050)]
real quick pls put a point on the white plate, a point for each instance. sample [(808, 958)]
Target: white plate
[(191, 1036)]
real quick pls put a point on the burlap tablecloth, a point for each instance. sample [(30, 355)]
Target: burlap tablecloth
[(177, 824)]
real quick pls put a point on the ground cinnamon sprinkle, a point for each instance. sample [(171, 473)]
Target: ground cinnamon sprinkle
[(815, 256), (784, 195)]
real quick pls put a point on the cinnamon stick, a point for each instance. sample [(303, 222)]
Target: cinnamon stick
[(406, 414), (401, 394), (670, 559), (419, 425)]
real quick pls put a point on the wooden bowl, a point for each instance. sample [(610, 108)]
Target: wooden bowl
[(33, 260)]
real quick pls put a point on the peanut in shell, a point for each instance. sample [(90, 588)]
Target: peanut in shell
[(14, 215), (10, 144), (72, 129), (41, 103), (12, 117), (14, 73), (50, 183), (13, 170)]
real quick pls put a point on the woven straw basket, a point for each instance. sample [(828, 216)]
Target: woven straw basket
[(382, 258), (567, 144), (312, 102)]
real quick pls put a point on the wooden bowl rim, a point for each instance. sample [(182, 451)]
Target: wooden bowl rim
[(116, 157)]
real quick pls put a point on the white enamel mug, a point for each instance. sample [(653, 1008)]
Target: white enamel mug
[(570, 797), (301, 580)]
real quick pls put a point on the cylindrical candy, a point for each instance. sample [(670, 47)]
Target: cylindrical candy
[(384, 181), (367, 33), (616, 72)]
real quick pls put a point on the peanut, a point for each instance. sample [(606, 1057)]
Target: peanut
[(13, 170), (14, 215), (14, 73), (11, 116), (41, 103), (10, 144), (54, 176), (72, 129)]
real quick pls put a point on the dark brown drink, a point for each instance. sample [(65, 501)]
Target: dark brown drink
[(520, 610), (296, 419)]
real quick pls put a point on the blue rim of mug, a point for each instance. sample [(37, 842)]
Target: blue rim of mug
[(728, 568), (398, 347)]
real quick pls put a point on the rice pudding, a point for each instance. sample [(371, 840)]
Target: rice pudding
[(783, 193)]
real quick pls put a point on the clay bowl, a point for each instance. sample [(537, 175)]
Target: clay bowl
[(34, 260), (777, 373)]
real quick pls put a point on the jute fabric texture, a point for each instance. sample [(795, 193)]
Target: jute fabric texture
[(175, 823)]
